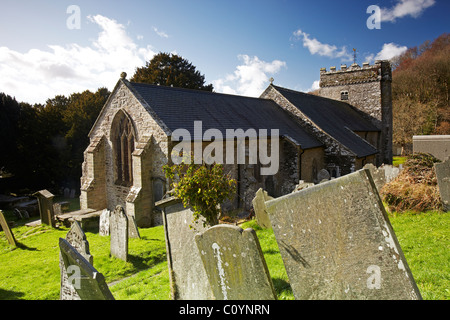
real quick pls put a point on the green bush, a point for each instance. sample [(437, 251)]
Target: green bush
[(202, 187)]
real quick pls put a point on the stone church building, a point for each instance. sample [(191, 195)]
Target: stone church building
[(347, 125)]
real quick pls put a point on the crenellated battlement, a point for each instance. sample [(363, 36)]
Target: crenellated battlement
[(355, 74)]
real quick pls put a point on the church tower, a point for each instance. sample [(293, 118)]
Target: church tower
[(368, 88)]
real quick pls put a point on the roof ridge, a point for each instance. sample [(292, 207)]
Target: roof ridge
[(194, 90)]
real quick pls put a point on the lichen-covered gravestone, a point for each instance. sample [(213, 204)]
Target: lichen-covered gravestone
[(336, 242), (235, 264), (77, 239), (87, 281), (118, 224), (187, 275), (443, 177)]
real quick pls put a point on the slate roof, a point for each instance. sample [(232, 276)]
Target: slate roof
[(179, 108), (336, 118)]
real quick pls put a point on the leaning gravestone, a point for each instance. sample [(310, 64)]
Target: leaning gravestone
[(336, 242), (104, 223), (118, 225), (8, 233), (45, 200), (77, 239), (187, 275), (133, 231), (87, 281), (259, 206), (235, 264), (443, 177)]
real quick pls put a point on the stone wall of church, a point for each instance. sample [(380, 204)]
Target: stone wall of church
[(151, 146)]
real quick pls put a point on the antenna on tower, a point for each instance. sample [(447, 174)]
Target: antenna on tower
[(354, 56)]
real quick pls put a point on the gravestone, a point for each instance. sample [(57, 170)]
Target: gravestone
[(336, 242), (45, 200), (104, 223), (87, 281), (187, 275), (323, 175), (8, 233), (443, 177), (133, 231), (259, 206), (235, 264), (118, 224), (77, 239), (378, 175)]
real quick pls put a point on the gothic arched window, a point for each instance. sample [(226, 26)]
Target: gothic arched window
[(122, 138)]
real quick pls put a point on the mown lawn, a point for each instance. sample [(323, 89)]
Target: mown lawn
[(31, 271)]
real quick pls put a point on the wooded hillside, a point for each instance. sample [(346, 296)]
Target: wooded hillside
[(420, 91)]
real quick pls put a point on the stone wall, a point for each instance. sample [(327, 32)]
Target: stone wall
[(150, 154)]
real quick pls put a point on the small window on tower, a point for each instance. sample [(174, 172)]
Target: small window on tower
[(344, 95)]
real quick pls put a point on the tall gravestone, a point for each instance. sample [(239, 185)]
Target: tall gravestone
[(87, 281), (45, 201), (336, 242), (119, 233), (443, 178), (8, 233), (187, 275), (77, 239), (235, 264)]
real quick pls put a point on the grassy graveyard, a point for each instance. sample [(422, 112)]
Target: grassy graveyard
[(31, 271)]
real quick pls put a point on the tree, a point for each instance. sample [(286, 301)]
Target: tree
[(171, 70)]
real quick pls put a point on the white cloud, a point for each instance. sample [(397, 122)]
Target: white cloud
[(389, 51), (322, 49), (404, 8), (314, 86), (162, 34), (37, 75), (249, 78)]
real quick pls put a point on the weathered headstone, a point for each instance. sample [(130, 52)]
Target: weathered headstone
[(443, 177), (336, 242), (187, 275), (235, 264), (133, 231), (77, 239), (378, 175), (45, 200), (118, 224), (323, 175), (259, 206), (87, 281), (8, 233), (104, 223)]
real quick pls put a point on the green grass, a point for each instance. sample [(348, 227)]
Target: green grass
[(31, 271), (424, 238), (398, 160)]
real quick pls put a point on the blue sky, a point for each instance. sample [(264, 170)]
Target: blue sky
[(48, 48)]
